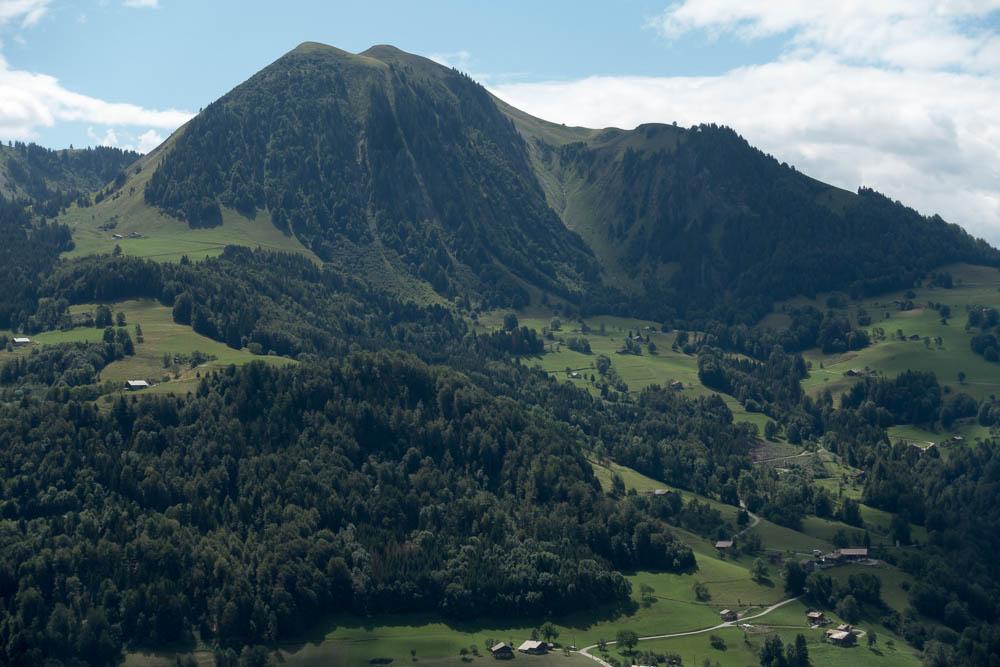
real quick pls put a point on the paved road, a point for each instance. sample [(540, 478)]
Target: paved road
[(585, 651)]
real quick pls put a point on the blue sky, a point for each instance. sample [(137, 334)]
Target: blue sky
[(183, 54), (899, 95)]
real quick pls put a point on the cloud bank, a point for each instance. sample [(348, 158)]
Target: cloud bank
[(29, 101), (899, 96)]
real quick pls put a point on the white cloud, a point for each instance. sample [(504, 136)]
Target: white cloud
[(930, 139), (143, 143), (142, 4), (899, 95), (149, 140), (29, 101), (926, 34), (27, 12)]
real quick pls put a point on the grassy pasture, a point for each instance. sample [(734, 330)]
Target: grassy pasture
[(162, 336), (638, 371), (979, 286)]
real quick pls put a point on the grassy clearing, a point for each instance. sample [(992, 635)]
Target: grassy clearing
[(744, 649), (164, 238), (638, 371), (979, 286), (162, 336)]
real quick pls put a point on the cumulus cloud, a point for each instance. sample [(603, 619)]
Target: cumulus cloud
[(844, 108), (29, 101), (928, 34), (25, 12), (142, 143)]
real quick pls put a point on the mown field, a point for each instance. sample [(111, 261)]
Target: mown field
[(161, 336)]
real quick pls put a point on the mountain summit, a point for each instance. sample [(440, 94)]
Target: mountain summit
[(385, 162), (405, 171)]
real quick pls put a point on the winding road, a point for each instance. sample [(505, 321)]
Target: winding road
[(585, 651), (754, 520)]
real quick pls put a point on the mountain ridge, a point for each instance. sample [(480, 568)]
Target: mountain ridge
[(407, 172)]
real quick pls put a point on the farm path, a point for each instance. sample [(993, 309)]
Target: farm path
[(585, 651)]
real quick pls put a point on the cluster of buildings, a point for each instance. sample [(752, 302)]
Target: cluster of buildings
[(504, 651), (842, 635)]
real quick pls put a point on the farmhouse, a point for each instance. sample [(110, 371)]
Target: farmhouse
[(533, 646), (136, 385), (660, 492), (722, 545), (676, 384), (21, 340), (842, 636), (502, 651), (816, 618), (852, 554), (728, 615)]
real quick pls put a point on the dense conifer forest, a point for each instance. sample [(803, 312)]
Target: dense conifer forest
[(406, 457)]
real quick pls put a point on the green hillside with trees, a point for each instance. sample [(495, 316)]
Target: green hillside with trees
[(431, 375)]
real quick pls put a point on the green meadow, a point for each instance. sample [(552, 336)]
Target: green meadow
[(161, 336), (974, 285), (638, 371)]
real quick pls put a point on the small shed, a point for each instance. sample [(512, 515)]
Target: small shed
[(136, 385), (722, 545), (728, 615), (21, 340), (502, 651), (533, 646)]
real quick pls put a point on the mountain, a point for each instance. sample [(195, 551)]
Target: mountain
[(49, 180), (698, 223), (383, 156), (37, 183), (413, 177)]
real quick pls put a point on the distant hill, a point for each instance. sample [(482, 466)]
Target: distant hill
[(696, 222), (413, 177), (49, 180)]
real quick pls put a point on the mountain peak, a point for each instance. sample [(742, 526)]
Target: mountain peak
[(317, 47)]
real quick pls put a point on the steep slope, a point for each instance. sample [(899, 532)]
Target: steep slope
[(381, 161), (696, 222), (48, 180), (412, 177)]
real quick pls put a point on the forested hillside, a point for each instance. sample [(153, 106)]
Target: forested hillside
[(381, 154), (49, 181), (697, 224), (433, 452)]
